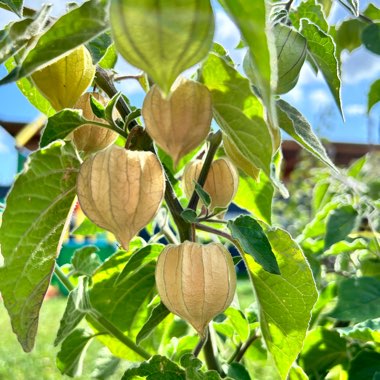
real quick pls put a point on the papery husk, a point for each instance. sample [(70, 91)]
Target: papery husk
[(91, 138), (121, 190), (180, 122), (196, 281)]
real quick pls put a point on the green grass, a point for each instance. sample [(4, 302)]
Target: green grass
[(39, 364)]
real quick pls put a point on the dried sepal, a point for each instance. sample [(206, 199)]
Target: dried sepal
[(180, 122), (121, 190), (91, 138), (196, 281), (221, 183)]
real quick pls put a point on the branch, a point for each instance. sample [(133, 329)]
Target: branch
[(214, 231), (245, 347), (360, 15)]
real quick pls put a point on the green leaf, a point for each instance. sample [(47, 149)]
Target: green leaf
[(293, 123), (144, 32), (97, 107), (237, 111), (31, 233), (238, 372), (159, 313), (373, 95), (322, 350), (297, 373), (87, 228), (239, 322), (111, 107), (312, 11), (285, 302), (76, 308), (105, 365), (341, 221), (189, 215), (368, 331), (322, 48), (254, 242), (14, 5), (366, 365), (371, 37), (203, 195), (356, 167), (256, 196), (254, 31), (99, 46), (158, 367), (64, 35), (30, 92), (63, 123), (193, 371), (372, 12), (346, 247), (85, 260), (109, 59), (73, 350), (353, 5), (348, 34), (17, 34), (358, 299), (321, 195)]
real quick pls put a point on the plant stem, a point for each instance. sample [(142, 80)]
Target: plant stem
[(215, 140), (199, 346), (245, 347), (97, 319), (214, 231), (210, 358), (360, 15)]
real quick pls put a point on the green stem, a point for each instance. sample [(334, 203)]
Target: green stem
[(215, 140), (245, 347), (209, 353), (360, 15), (214, 231), (96, 318)]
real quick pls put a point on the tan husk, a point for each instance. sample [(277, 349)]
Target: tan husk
[(121, 190), (91, 138), (221, 183), (196, 281), (65, 80), (179, 123)]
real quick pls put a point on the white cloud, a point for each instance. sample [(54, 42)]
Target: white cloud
[(296, 95), (319, 97), (355, 109)]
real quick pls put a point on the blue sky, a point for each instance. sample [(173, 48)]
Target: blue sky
[(311, 95)]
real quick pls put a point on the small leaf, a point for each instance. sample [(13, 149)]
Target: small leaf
[(254, 242), (158, 367), (73, 350), (105, 365), (348, 34), (238, 372), (312, 11), (109, 111), (159, 313), (132, 116), (239, 322), (371, 37), (97, 107), (192, 366), (85, 260), (30, 241), (189, 215), (237, 111), (64, 35), (203, 194), (76, 309), (367, 331), (99, 46), (340, 223), (87, 228), (346, 247), (373, 95), (14, 5), (322, 48), (293, 123), (353, 5), (358, 299)]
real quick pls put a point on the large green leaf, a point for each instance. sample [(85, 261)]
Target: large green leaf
[(293, 123), (237, 111), (254, 242), (64, 35), (366, 365), (28, 89), (358, 299), (285, 301), (371, 37), (17, 34), (341, 221), (322, 48), (348, 34), (73, 350), (14, 5), (251, 19), (373, 95), (31, 233), (122, 289), (256, 196), (368, 331), (162, 37)]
